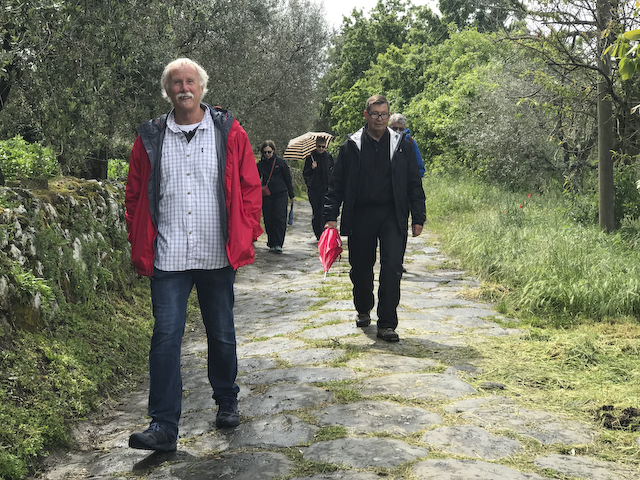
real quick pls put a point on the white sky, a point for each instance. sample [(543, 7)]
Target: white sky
[(336, 9)]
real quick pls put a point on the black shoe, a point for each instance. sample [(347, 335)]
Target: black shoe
[(388, 335), (153, 438), (363, 320), (404, 270), (228, 416)]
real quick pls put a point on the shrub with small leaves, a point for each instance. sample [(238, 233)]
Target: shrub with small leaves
[(20, 159)]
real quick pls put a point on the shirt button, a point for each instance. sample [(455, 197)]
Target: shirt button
[(189, 213), (188, 174)]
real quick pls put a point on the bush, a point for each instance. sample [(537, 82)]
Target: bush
[(20, 159), (118, 169)]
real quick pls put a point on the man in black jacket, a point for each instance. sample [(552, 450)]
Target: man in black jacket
[(376, 180), (317, 170)]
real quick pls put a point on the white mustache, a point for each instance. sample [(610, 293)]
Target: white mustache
[(184, 96)]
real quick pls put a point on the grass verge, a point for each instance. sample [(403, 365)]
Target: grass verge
[(55, 377)]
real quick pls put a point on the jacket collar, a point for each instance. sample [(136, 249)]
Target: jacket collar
[(394, 140)]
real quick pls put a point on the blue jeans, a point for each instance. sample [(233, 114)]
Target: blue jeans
[(169, 294)]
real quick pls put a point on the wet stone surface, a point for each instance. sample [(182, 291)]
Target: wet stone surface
[(318, 391)]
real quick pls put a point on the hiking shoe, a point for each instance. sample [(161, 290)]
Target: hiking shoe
[(228, 416), (388, 335), (363, 320), (153, 438)]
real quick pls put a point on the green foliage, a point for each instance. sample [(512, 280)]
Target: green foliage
[(118, 169), (626, 53), (19, 159), (551, 265), (80, 76), (455, 72), (486, 16), (626, 194), (52, 378), (89, 316), (390, 26)]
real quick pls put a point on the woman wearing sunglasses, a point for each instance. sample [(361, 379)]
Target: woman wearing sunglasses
[(275, 175)]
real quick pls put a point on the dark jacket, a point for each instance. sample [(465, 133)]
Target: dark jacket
[(406, 183), (280, 179), (239, 207), (318, 178)]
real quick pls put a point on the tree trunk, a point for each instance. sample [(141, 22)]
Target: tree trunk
[(605, 124)]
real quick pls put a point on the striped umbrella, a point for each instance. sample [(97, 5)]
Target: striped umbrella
[(299, 147)]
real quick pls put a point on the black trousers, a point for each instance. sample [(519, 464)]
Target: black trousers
[(274, 213), (316, 199), (370, 226)]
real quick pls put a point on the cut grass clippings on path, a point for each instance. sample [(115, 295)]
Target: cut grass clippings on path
[(574, 291)]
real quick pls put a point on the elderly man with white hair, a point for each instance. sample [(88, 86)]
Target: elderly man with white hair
[(193, 203), (398, 123)]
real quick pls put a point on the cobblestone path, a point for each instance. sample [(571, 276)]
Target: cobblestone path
[(320, 395)]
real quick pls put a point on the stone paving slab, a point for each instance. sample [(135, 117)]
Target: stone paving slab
[(274, 431), (364, 452), (451, 469), (316, 356), (423, 386), (298, 375), (344, 475), (330, 331), (500, 412), (253, 364), (371, 416), (284, 397), (384, 362), (267, 347), (472, 442), (587, 468), (236, 466)]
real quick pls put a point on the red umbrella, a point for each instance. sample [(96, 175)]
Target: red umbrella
[(330, 247)]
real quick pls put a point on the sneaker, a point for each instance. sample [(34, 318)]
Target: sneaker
[(153, 438), (363, 320), (228, 416), (388, 335), (278, 249), (273, 249)]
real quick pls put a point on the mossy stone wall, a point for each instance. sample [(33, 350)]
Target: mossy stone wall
[(63, 243)]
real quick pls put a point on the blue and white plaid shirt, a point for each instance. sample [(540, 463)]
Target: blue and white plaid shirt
[(190, 234)]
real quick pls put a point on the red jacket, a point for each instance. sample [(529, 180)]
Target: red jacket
[(242, 191)]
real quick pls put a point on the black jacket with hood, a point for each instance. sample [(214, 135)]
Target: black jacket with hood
[(406, 183)]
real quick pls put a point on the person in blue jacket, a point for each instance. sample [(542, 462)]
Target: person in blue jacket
[(398, 123)]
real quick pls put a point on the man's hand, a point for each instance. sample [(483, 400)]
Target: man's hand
[(331, 225), (416, 230)]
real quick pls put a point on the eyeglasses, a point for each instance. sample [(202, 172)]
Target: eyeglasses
[(321, 146), (376, 115), (267, 152), (397, 129)]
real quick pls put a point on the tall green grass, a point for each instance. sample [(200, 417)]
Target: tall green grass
[(528, 243)]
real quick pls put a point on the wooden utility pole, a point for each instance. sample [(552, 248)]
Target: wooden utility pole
[(605, 122)]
